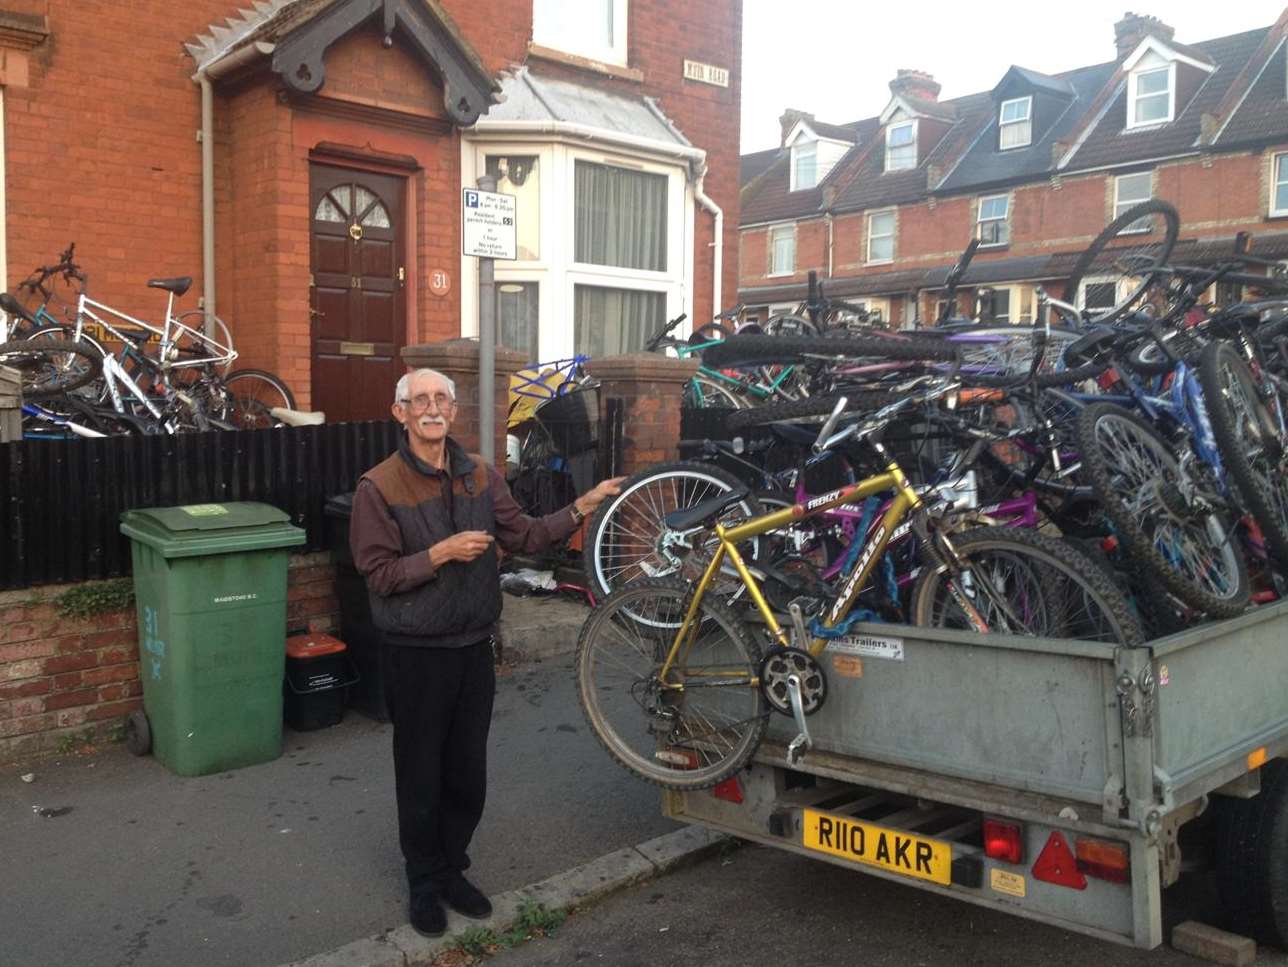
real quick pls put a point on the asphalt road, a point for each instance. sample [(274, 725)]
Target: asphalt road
[(758, 907), (130, 866)]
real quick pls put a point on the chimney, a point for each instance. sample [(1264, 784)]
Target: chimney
[(915, 84), (1135, 27), (788, 121)]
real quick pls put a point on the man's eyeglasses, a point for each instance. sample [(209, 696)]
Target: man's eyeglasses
[(420, 402)]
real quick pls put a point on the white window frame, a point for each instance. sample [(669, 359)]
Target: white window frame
[(1141, 224), (795, 166), (771, 236), (613, 53), (1133, 80), (894, 228), (1276, 179), (1027, 121), (1005, 220), (912, 122), (555, 271)]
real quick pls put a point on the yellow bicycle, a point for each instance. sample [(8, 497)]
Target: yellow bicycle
[(678, 682)]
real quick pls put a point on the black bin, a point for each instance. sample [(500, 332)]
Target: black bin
[(318, 672), (367, 696)]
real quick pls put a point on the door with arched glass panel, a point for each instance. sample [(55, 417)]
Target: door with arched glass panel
[(357, 305)]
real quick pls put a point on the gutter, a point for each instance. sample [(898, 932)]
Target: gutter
[(695, 157), (212, 71)]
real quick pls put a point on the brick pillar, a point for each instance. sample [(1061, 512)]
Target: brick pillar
[(652, 387), (458, 359)]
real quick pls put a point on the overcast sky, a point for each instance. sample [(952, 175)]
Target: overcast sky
[(834, 58)]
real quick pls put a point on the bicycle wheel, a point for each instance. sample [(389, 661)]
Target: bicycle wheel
[(1008, 350), (1051, 589), (707, 724), (95, 390), (51, 367), (249, 395), (1139, 239), (1156, 514), (627, 537), (197, 345), (702, 392), (1252, 448), (789, 325)]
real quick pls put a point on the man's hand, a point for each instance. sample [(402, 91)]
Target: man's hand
[(465, 546), (587, 502)]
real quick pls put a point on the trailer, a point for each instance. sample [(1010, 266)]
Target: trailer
[(1052, 779)]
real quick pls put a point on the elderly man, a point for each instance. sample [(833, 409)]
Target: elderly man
[(424, 531)]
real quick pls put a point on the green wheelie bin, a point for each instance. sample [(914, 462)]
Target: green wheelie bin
[(210, 592)]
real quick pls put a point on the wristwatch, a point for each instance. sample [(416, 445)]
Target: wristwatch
[(577, 515)]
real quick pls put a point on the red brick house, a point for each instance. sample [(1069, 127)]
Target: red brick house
[(316, 198), (1034, 168)]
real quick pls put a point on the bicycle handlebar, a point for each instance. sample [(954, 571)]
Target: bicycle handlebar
[(954, 277), (662, 333)]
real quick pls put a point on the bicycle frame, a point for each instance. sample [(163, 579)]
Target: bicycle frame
[(169, 333), (905, 501)]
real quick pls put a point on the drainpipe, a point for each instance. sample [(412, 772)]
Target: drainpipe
[(717, 246), (213, 71), (827, 219)]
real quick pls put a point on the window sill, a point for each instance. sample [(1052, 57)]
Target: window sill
[(1282, 214), (551, 55), (879, 262), (780, 275), (1151, 126), (994, 246)]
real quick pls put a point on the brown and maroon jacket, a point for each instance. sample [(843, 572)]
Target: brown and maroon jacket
[(403, 507)]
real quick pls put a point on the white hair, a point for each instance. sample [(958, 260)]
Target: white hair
[(404, 383)]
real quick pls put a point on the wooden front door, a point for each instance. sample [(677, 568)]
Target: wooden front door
[(358, 309)]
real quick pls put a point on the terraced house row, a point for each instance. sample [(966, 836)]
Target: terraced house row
[(880, 208)]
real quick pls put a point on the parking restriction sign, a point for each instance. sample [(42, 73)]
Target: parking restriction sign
[(487, 224)]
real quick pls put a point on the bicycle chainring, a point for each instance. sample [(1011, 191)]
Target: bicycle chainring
[(778, 666)]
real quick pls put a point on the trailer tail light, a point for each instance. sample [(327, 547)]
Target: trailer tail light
[(1056, 864), (1002, 841), (1104, 860), (729, 790)]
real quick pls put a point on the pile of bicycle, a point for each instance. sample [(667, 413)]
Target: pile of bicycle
[(90, 370), (1111, 475)]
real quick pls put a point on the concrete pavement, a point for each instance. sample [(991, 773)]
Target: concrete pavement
[(113, 861)]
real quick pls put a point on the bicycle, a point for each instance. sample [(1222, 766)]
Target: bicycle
[(694, 688)]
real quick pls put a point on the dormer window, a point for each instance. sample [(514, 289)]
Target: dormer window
[(1015, 123), (901, 146), (804, 165), (1151, 96)]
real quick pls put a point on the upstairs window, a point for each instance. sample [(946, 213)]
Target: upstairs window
[(594, 29), (619, 217), (1150, 96), (1279, 186), (901, 146), (804, 165), (782, 250), (881, 236), (993, 227), (1015, 123), (1131, 190)]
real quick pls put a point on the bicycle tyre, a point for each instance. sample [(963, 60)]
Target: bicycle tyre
[(1159, 469), (1151, 257), (30, 359), (1054, 380), (1065, 573), (862, 401), (610, 542), (1264, 491), (195, 319), (703, 392), (618, 616), (250, 411), (758, 350)]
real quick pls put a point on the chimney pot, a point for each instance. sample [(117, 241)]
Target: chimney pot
[(1135, 27), (915, 84)]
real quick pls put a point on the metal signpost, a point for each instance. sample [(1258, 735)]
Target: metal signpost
[(487, 232)]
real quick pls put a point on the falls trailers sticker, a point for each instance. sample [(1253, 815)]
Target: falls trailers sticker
[(868, 646)]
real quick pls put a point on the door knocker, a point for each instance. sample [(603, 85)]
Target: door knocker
[(355, 232)]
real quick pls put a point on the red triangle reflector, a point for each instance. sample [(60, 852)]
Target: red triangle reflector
[(1056, 864), (729, 790)]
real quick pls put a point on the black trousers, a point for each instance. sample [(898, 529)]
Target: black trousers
[(440, 704)]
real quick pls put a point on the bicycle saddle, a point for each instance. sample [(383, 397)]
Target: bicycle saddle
[(178, 285), (12, 306), (705, 510)]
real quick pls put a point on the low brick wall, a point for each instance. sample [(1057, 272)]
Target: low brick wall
[(68, 682)]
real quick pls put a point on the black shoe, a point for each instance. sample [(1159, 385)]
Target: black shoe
[(466, 899), (427, 915)]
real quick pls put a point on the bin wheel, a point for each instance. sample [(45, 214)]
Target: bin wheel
[(138, 734), (1252, 857)]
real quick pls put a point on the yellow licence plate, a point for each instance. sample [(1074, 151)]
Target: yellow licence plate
[(889, 849)]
